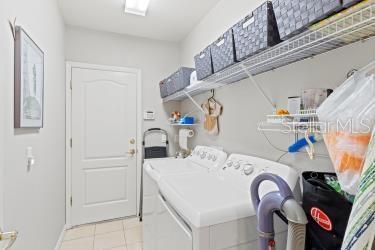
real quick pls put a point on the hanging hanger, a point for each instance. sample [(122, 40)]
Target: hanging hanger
[(310, 148), (212, 98)]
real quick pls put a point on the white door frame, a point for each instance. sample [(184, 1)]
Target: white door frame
[(69, 66)]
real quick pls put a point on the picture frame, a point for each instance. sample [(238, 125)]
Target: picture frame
[(28, 82)]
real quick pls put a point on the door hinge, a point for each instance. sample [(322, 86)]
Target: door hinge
[(71, 142), (71, 201), (71, 84)]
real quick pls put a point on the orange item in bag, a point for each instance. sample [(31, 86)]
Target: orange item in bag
[(347, 150)]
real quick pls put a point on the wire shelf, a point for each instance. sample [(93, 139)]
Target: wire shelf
[(291, 127), (344, 28), (292, 123)]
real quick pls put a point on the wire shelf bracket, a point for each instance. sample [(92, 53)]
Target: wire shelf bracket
[(258, 87), (194, 102)]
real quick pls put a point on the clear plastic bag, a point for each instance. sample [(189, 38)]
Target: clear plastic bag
[(349, 116)]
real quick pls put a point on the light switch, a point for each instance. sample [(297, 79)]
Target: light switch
[(30, 157)]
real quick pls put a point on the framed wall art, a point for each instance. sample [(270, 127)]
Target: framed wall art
[(29, 82)]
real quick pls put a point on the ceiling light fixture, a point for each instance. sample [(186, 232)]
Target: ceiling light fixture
[(136, 7)]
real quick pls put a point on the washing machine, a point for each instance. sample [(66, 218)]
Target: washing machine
[(203, 159), (213, 210)]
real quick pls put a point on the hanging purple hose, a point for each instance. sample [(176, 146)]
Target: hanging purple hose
[(282, 200)]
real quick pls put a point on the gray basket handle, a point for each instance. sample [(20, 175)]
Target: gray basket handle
[(249, 19)]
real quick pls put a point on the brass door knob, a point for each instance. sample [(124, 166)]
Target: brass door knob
[(131, 152), (8, 236)]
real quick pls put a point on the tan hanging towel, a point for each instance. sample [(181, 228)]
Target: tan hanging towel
[(212, 110)]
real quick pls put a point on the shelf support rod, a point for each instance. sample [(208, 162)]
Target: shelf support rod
[(194, 102), (251, 77)]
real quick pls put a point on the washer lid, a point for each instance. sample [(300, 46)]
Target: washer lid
[(159, 168), (204, 200), (209, 198)]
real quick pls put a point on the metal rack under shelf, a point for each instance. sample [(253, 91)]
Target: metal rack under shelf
[(344, 28)]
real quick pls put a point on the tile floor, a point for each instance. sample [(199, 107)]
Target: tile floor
[(125, 234)]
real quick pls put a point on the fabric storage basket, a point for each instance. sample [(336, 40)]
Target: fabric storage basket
[(203, 64), (256, 32), (294, 16), (223, 54), (163, 89), (170, 85), (181, 78)]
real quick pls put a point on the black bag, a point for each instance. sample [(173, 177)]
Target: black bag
[(327, 213)]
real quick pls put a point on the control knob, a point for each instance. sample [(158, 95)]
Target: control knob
[(237, 165), (248, 169), (229, 164), (203, 155)]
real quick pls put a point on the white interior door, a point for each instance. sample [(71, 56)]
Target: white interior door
[(104, 129)]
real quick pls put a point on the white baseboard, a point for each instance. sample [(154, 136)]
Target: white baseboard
[(61, 238)]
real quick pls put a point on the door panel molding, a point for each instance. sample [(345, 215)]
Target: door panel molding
[(139, 125)]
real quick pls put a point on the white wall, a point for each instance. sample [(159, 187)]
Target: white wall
[(34, 200), (243, 105), (2, 129), (156, 59)]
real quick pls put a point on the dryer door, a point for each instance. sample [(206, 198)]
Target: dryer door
[(172, 231)]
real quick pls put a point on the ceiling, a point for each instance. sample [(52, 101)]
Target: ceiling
[(169, 20)]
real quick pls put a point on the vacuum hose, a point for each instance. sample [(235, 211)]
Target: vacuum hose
[(282, 200)]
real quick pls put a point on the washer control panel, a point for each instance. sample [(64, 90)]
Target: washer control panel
[(242, 169), (242, 165), (208, 157)]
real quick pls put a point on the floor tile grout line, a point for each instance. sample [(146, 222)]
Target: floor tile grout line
[(95, 234), (123, 226), (118, 230), (93, 242), (114, 247), (79, 238)]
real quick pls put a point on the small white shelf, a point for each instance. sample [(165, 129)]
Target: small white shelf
[(182, 125), (342, 29), (292, 123)]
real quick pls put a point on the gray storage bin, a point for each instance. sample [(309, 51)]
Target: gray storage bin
[(181, 78), (256, 32), (223, 54), (170, 85), (294, 16), (348, 3), (203, 64), (163, 89)]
